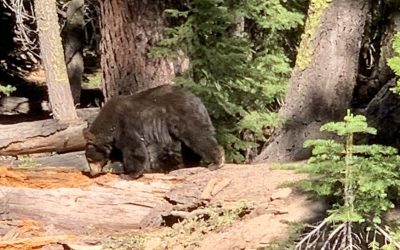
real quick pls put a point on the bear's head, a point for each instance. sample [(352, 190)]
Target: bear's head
[(97, 155)]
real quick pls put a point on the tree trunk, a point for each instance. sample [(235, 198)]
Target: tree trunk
[(73, 35), (322, 83), (53, 61), (129, 29)]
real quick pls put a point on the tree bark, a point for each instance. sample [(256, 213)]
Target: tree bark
[(45, 135), (69, 200), (53, 61), (129, 29), (59, 202), (73, 35), (324, 76)]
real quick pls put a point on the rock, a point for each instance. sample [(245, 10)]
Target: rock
[(281, 194)]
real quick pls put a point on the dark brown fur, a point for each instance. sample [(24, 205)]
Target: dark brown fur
[(146, 127)]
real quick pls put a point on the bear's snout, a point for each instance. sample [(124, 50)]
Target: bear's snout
[(96, 168)]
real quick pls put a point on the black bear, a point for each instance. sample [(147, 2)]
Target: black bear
[(145, 129)]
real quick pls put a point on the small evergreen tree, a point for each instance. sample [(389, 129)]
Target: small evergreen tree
[(238, 62), (361, 181)]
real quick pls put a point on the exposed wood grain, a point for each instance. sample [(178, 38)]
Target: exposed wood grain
[(82, 202), (74, 159), (32, 243), (68, 200)]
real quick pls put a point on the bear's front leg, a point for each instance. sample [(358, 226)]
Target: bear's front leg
[(135, 162), (218, 158)]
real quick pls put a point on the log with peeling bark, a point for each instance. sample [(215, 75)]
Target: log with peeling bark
[(45, 135), (74, 159), (66, 199), (64, 207)]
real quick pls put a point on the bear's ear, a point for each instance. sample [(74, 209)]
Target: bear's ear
[(88, 135)]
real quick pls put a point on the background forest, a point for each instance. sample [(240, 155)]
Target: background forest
[(237, 56), (240, 56), (283, 80)]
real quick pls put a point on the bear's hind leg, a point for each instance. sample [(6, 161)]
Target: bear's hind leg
[(189, 158), (205, 145)]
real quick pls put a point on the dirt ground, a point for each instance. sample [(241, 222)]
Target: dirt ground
[(271, 206)]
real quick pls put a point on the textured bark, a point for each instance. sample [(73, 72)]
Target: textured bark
[(129, 29), (45, 135), (73, 35), (75, 159), (322, 90), (53, 61), (69, 200)]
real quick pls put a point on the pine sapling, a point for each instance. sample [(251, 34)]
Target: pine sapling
[(359, 180)]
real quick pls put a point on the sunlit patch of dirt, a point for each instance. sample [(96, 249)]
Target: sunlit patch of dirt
[(49, 178), (29, 235)]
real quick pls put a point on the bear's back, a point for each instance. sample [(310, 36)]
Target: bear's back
[(151, 109), (169, 99)]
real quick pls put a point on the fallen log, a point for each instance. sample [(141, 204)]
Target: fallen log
[(45, 135), (61, 202), (67, 199), (10, 105), (33, 243), (35, 101), (74, 159)]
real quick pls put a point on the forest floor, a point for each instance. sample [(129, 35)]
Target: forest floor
[(242, 207), (48, 206)]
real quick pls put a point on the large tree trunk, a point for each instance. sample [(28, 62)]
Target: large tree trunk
[(52, 55), (322, 83), (129, 29)]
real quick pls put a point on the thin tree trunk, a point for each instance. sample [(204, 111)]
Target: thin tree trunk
[(322, 83), (53, 61), (129, 29), (73, 35)]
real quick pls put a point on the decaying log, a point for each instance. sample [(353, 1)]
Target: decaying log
[(75, 159), (66, 199), (60, 202), (14, 105), (33, 243), (69, 200), (45, 135)]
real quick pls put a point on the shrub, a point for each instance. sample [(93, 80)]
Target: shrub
[(238, 63)]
